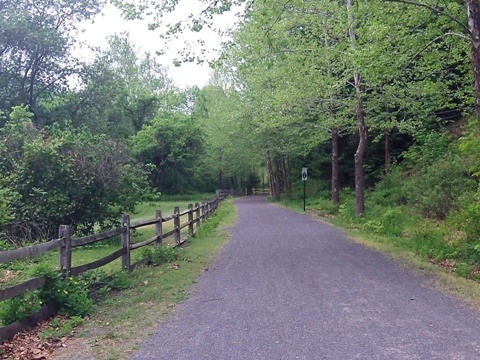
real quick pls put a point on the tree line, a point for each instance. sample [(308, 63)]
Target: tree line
[(83, 141), (373, 96)]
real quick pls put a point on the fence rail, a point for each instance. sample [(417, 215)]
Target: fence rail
[(65, 243), (260, 191)]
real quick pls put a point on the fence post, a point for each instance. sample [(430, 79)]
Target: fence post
[(65, 249), (203, 212), (158, 227), (197, 206), (126, 242), (190, 219), (176, 224)]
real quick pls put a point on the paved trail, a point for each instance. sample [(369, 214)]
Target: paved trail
[(289, 287)]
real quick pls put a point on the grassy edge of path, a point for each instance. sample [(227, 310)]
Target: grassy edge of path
[(122, 322), (443, 279)]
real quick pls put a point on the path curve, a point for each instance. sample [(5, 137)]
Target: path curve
[(288, 287)]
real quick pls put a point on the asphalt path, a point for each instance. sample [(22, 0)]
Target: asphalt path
[(289, 287)]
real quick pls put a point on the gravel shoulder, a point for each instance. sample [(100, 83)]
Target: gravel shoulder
[(289, 287)]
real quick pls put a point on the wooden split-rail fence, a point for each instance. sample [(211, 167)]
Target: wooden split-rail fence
[(260, 191), (192, 218)]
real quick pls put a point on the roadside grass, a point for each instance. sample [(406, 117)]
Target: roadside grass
[(424, 246), (123, 320)]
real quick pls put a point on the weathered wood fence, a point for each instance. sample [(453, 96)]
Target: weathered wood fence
[(260, 191), (192, 218)]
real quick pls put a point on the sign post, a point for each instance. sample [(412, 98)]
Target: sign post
[(304, 178)]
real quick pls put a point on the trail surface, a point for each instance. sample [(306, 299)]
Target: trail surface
[(289, 287)]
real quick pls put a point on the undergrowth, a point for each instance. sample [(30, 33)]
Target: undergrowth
[(430, 205)]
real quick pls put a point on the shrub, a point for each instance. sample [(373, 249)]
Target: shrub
[(390, 190), (62, 175), (441, 187), (161, 254), (20, 307), (71, 295)]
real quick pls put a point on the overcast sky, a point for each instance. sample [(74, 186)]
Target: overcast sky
[(111, 22)]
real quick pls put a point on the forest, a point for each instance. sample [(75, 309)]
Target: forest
[(379, 99)]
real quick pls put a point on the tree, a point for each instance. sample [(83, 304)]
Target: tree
[(120, 91), (469, 28), (62, 175), (170, 145), (35, 39)]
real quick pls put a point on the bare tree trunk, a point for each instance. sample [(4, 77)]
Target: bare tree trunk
[(335, 169), (362, 128), (473, 14)]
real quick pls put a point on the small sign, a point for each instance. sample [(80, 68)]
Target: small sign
[(304, 174)]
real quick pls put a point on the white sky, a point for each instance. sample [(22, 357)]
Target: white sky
[(111, 22)]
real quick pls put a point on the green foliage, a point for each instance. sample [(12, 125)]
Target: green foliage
[(161, 254), (35, 39), (171, 143), (58, 329), (440, 188), (62, 175), (19, 307), (374, 226), (468, 218), (70, 295), (120, 281), (389, 190), (212, 222), (463, 270), (434, 180)]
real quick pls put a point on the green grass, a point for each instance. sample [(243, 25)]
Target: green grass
[(132, 315), (20, 271), (146, 210)]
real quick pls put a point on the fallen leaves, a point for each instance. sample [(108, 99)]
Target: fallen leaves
[(445, 263), (28, 345)]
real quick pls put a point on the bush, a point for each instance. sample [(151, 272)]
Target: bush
[(440, 188), (70, 295), (161, 254), (62, 175), (389, 191), (19, 307)]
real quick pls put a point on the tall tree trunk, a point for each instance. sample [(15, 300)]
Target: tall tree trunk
[(387, 151), (359, 158), (473, 14), (220, 179), (271, 179), (362, 128), (278, 177), (334, 134), (288, 170), (284, 173), (335, 169)]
